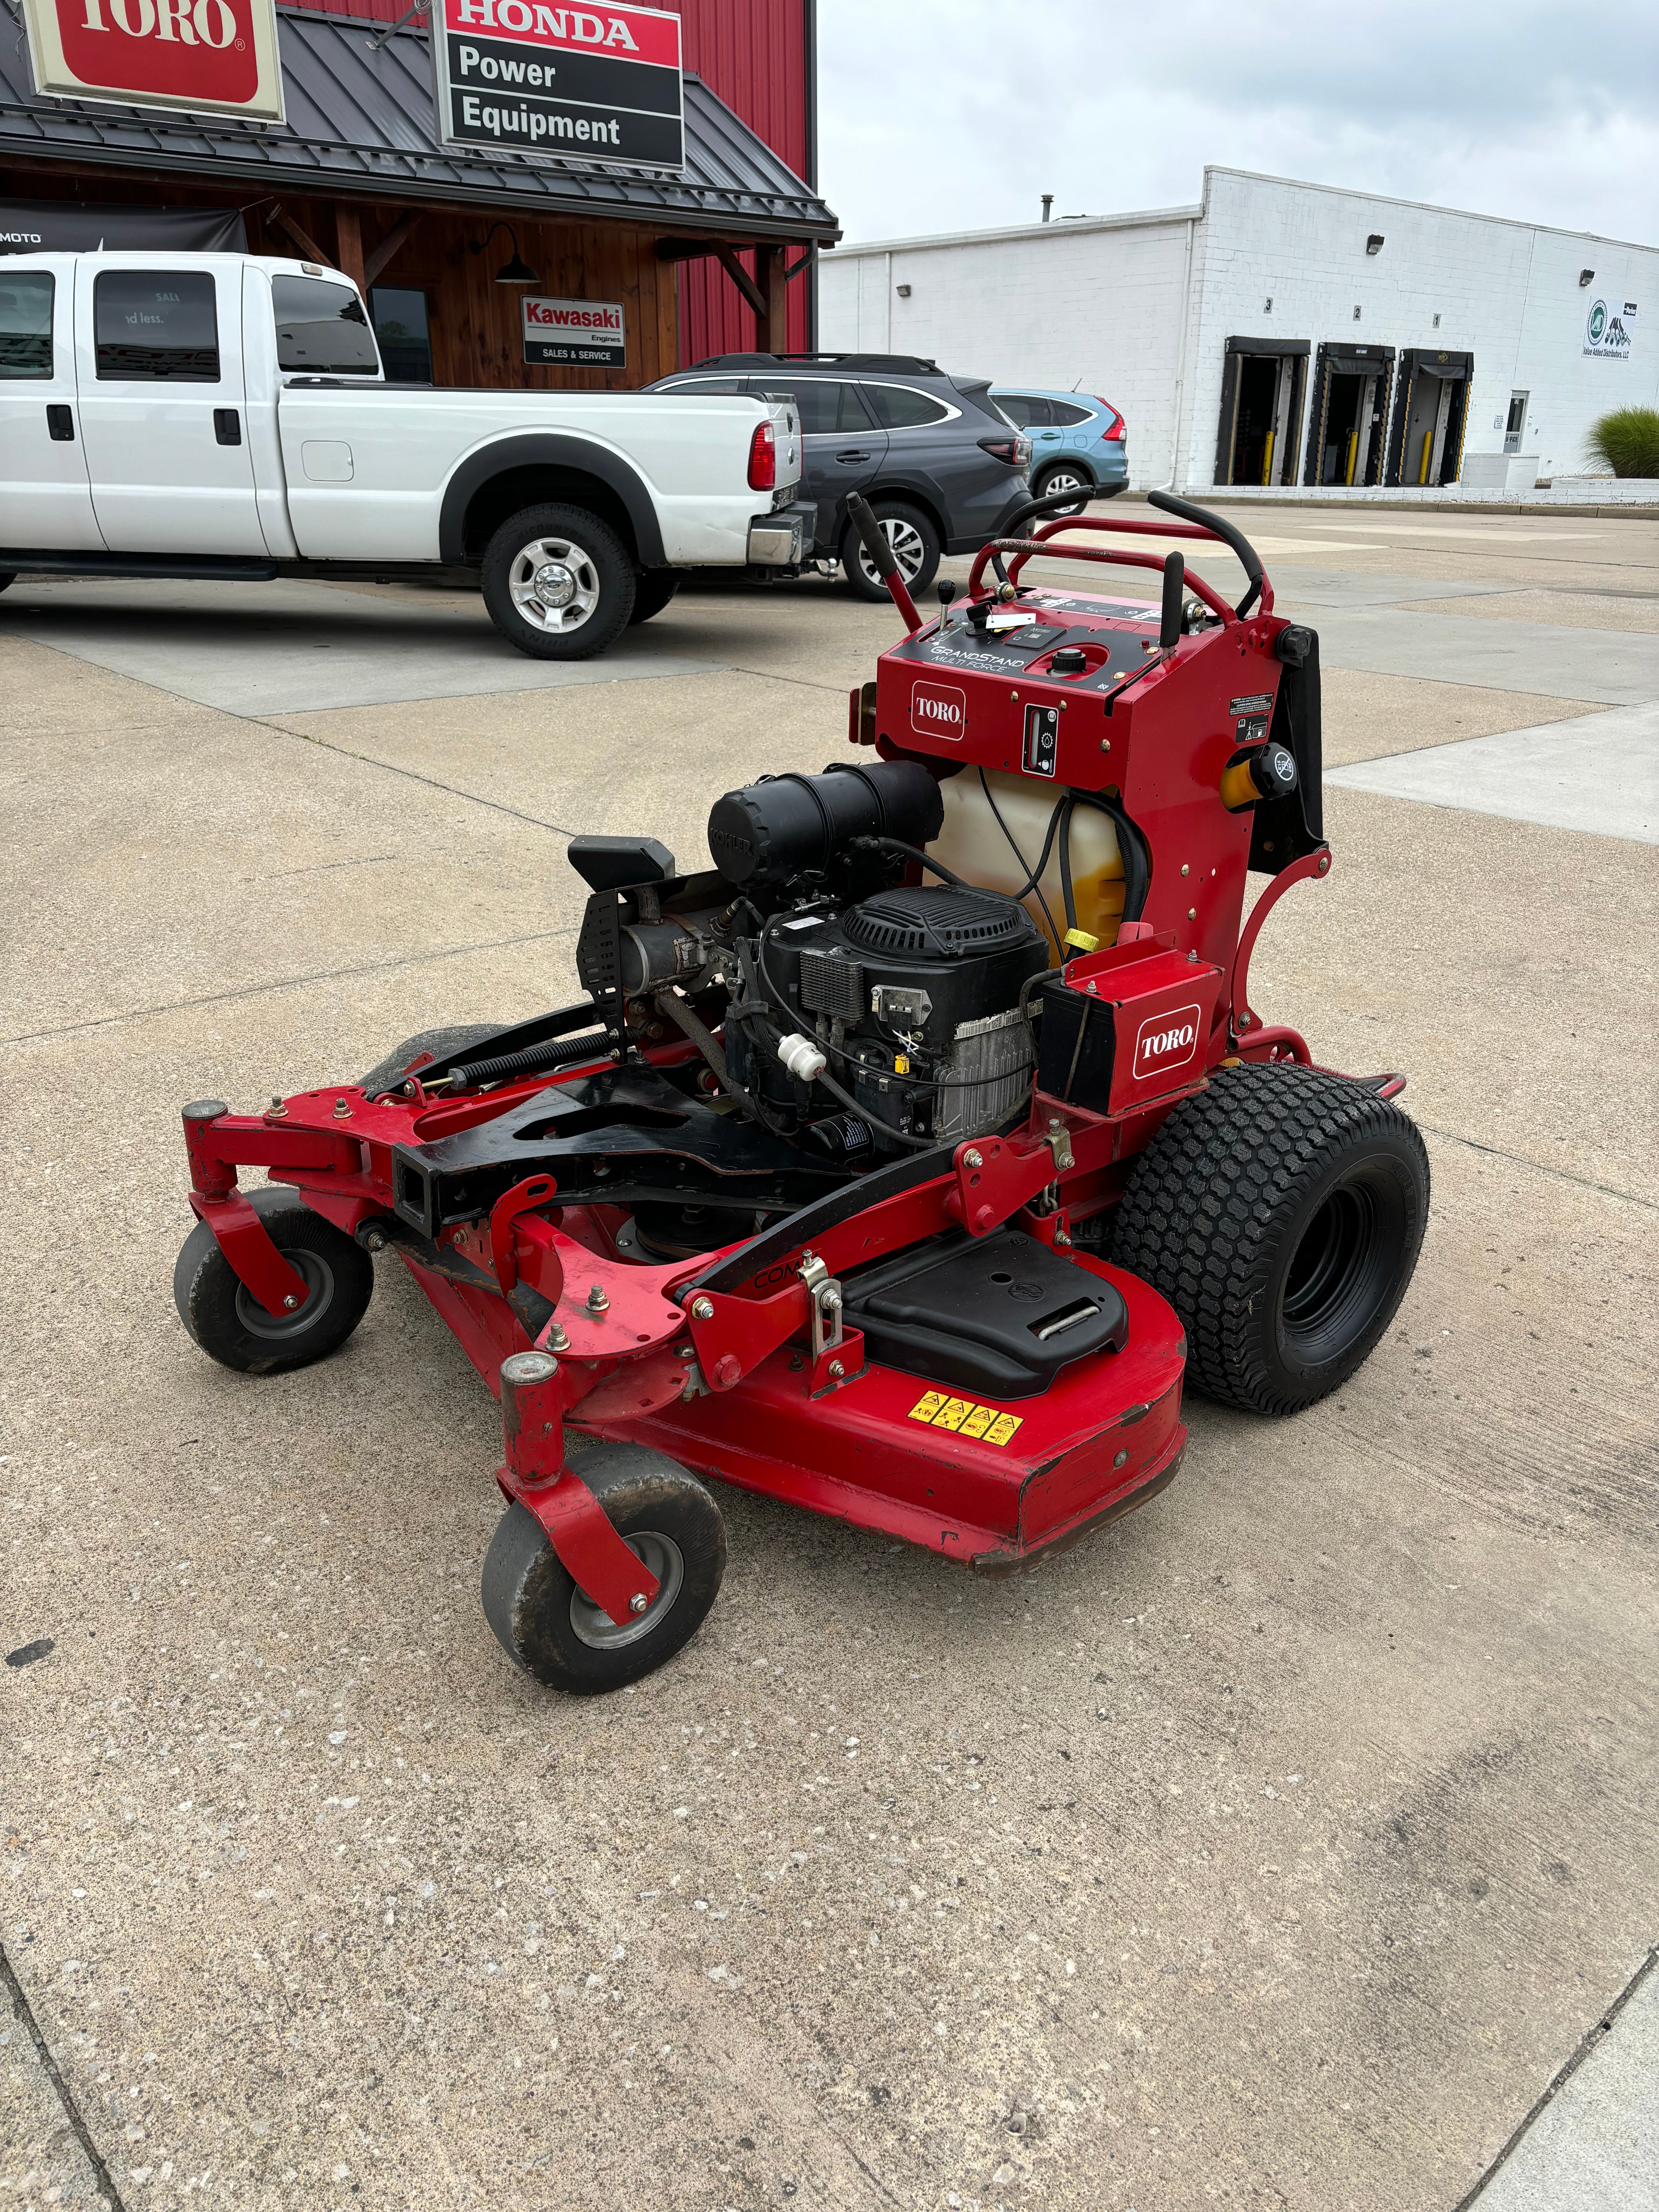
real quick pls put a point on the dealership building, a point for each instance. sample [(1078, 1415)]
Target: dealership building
[(1284, 335), (528, 194)]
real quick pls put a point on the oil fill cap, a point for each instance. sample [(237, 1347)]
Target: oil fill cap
[(1069, 661)]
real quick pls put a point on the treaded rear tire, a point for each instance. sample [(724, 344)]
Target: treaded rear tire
[(1280, 1212)]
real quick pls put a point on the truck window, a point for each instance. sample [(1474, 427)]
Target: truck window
[(322, 329), (152, 324), (403, 331), (26, 325)]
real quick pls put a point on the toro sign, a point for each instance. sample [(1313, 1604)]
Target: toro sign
[(586, 84), (205, 55)]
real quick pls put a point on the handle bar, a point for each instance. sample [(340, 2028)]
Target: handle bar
[(1202, 525), (863, 519), (1229, 534), (1023, 548)]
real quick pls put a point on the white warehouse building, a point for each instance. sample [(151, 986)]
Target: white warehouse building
[(1283, 334)]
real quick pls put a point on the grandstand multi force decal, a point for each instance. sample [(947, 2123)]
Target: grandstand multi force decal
[(571, 84)]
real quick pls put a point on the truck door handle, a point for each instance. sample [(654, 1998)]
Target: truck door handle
[(227, 426), (60, 424)]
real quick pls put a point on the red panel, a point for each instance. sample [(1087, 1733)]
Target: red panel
[(752, 54)]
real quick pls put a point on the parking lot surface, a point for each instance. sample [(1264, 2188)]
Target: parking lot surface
[(1286, 1847)]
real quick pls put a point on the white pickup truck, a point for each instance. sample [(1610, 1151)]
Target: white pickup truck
[(223, 415)]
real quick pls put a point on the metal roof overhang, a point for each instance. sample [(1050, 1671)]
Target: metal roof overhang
[(361, 125)]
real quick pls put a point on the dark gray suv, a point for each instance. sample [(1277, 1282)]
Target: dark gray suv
[(934, 455)]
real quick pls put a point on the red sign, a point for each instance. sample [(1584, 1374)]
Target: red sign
[(205, 55)]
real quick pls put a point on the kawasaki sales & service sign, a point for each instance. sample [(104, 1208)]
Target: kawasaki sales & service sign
[(578, 84), (574, 333), (209, 56)]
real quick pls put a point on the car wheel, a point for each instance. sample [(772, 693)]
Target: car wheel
[(915, 548), (557, 584), (652, 593), (1064, 476)]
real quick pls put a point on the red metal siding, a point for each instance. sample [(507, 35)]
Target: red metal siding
[(753, 54)]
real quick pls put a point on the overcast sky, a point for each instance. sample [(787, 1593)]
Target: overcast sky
[(958, 114)]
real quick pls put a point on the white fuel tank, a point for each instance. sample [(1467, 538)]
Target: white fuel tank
[(994, 829)]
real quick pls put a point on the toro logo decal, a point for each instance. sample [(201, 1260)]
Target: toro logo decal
[(203, 54), (1168, 1040), (938, 710)]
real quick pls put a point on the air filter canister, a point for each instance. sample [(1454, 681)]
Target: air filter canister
[(785, 824)]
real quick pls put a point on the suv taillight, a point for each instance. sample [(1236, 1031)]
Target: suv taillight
[(762, 458), (1115, 428), (1015, 452)]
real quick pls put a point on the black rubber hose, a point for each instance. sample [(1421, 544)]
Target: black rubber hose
[(554, 1051)]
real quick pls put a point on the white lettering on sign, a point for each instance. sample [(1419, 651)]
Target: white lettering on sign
[(938, 710), (1167, 1040), (200, 54), (579, 28)]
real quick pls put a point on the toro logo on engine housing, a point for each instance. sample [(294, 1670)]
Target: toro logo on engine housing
[(938, 710), (1167, 1040), (215, 54)]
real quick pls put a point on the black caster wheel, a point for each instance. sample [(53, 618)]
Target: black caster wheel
[(229, 1324), (551, 1629)]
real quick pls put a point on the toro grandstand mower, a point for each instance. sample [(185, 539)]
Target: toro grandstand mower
[(898, 1164)]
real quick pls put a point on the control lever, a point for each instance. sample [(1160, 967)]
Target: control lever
[(1175, 588), (863, 520)]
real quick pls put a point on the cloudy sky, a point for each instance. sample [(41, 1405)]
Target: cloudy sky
[(960, 114)]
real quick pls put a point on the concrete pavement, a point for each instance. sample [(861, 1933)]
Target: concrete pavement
[(1280, 1847)]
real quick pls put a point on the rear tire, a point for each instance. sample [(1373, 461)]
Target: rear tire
[(652, 593), (550, 1628), (230, 1325), (1061, 477), (1280, 1212), (916, 546), (557, 584)]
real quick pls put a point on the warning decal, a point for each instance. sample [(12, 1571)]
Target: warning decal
[(986, 1424)]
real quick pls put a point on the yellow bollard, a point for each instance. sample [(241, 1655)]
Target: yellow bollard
[(1428, 446)]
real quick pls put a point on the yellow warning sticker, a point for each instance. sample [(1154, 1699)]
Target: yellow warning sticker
[(986, 1424)]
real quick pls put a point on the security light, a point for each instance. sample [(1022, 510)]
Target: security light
[(1374, 243), (905, 291), (1586, 276), (513, 271)]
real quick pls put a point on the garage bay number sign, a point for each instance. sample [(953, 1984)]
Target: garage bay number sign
[(571, 83), (209, 56)]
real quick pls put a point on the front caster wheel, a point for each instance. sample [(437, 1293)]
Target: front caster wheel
[(553, 1630), (1281, 1211), (229, 1322)]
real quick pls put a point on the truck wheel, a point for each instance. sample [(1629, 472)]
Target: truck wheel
[(1280, 1212), (545, 1623), (229, 1324), (1064, 476), (558, 583), (652, 593), (915, 548)]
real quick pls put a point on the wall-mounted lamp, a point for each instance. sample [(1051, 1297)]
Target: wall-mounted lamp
[(903, 291), (1586, 276), (1374, 243), (512, 272)]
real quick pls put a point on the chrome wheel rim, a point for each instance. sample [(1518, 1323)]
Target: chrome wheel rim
[(1062, 480), (319, 1278), (553, 585), (904, 540), (594, 1627)]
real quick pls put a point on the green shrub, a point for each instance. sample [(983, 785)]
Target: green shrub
[(1628, 441)]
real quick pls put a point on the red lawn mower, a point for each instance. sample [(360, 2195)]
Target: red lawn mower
[(902, 1163)]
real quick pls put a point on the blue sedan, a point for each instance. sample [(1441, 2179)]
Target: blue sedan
[(1077, 442)]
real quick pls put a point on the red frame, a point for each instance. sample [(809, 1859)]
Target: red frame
[(727, 1384)]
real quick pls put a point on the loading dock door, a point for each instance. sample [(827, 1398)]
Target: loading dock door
[(1425, 439), (1262, 383), (1349, 414)]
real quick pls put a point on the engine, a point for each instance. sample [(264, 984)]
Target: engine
[(861, 1013)]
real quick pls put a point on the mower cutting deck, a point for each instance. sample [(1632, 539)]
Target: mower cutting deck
[(909, 1201)]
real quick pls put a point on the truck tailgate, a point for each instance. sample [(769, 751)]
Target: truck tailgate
[(786, 428)]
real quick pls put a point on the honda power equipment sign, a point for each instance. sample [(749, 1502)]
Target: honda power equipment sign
[(574, 333), (570, 83), (216, 56)]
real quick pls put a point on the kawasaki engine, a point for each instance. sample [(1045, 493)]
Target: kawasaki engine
[(862, 1013)]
